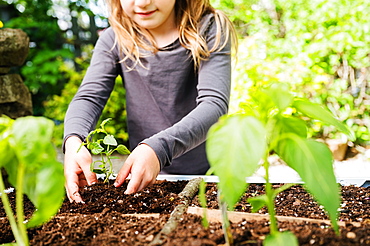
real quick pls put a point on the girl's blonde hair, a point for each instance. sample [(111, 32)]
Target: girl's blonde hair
[(131, 37)]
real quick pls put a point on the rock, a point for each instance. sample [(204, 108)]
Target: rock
[(14, 47), (15, 98), (4, 70)]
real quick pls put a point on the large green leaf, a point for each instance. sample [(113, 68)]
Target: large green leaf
[(280, 95), (313, 161), (30, 138), (286, 124), (316, 111), (5, 123), (30, 148), (6, 152), (235, 145), (47, 193), (285, 238)]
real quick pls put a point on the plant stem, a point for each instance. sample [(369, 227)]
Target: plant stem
[(203, 198), (270, 199), (225, 222), (110, 171), (9, 212), (19, 205)]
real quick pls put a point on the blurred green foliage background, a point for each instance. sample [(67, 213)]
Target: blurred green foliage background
[(320, 47)]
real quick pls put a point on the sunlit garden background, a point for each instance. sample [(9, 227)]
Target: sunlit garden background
[(321, 48)]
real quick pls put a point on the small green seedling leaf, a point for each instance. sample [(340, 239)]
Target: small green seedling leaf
[(95, 148), (245, 148), (123, 150), (258, 202), (98, 171), (104, 122), (110, 140), (106, 166), (285, 238)]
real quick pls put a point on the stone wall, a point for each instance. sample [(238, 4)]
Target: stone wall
[(15, 98)]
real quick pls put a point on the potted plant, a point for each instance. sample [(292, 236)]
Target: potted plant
[(272, 122), (105, 147), (30, 161)]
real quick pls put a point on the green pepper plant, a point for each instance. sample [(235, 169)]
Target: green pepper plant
[(104, 147), (30, 161), (273, 122)]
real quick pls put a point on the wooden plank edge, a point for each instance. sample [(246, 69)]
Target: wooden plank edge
[(214, 215)]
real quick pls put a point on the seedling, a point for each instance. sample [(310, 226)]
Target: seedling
[(29, 159), (110, 146), (272, 122)]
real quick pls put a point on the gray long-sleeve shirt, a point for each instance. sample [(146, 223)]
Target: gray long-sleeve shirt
[(170, 106)]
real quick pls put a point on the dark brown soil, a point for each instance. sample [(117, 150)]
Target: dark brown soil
[(253, 232), (158, 198), (102, 220), (297, 202)]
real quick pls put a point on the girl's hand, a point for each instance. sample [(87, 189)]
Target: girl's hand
[(77, 168), (144, 167)]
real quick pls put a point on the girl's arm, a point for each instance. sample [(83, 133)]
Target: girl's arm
[(86, 106), (83, 113)]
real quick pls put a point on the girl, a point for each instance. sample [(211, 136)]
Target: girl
[(174, 59)]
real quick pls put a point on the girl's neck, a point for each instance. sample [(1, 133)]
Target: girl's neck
[(164, 39), (166, 33)]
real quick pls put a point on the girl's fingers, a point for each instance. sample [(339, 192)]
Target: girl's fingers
[(72, 189), (140, 179), (89, 177), (143, 165), (134, 184), (123, 173)]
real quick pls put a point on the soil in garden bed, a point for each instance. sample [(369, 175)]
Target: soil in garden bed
[(105, 228), (102, 220), (191, 232), (158, 198), (297, 202), (112, 228)]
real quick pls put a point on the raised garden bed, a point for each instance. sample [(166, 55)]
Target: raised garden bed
[(109, 217)]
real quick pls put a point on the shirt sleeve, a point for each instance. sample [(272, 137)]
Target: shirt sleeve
[(214, 82), (86, 106)]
